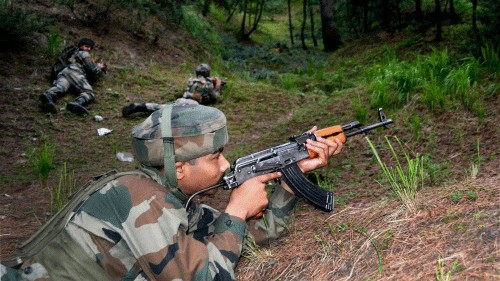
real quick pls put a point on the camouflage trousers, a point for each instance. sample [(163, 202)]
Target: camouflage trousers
[(72, 78), (153, 106), (156, 106)]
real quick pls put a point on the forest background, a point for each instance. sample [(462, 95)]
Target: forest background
[(415, 201)]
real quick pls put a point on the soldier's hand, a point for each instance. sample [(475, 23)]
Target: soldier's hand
[(324, 148), (250, 198)]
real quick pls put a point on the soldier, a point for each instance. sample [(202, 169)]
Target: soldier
[(202, 89), (135, 226), (81, 67)]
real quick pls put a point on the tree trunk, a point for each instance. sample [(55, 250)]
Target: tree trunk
[(475, 30), (437, 15), (453, 13), (303, 28), (290, 26), (331, 35), (253, 25), (365, 16), (313, 35), (418, 11), (206, 8)]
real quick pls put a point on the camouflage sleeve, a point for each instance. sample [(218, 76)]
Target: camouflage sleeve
[(89, 65), (215, 88), (276, 218), (166, 242)]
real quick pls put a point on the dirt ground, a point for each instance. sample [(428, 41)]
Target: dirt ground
[(365, 239)]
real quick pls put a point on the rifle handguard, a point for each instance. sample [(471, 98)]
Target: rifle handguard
[(330, 133)]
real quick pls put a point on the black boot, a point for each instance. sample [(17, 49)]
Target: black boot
[(78, 106), (47, 102), (133, 108)]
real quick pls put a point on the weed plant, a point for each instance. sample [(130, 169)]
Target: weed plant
[(16, 23), (430, 80), (404, 180), (59, 195), (55, 40), (491, 59), (41, 160), (441, 275)]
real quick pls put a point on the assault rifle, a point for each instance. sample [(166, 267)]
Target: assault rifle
[(284, 158)]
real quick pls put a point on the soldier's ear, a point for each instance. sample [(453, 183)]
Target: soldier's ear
[(180, 170)]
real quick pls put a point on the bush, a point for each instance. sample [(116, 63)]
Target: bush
[(15, 24)]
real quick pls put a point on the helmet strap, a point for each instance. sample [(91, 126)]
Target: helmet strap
[(170, 178)]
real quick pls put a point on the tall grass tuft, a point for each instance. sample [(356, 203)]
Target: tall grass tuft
[(59, 195), (41, 160), (491, 58), (55, 41), (404, 180), (441, 275), (434, 95)]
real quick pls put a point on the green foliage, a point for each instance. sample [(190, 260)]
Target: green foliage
[(59, 195), (434, 95), (441, 275), (404, 180), (16, 23), (55, 41), (431, 80), (437, 172), (41, 160), (288, 82), (491, 58), (360, 110), (202, 31)]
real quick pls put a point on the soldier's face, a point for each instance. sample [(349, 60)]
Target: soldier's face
[(86, 48), (204, 172)]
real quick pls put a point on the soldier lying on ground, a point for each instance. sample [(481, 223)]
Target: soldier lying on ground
[(136, 226), (203, 89), (77, 74)]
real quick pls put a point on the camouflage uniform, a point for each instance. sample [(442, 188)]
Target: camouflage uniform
[(202, 89), (81, 67), (75, 75), (136, 228)]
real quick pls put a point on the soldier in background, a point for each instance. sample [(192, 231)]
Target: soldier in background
[(77, 74), (135, 226), (202, 89)]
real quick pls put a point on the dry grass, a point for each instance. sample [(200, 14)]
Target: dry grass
[(345, 245)]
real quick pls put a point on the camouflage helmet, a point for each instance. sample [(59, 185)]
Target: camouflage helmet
[(86, 41), (193, 129), (203, 70)]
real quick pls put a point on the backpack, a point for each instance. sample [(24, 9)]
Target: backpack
[(51, 239), (62, 61)]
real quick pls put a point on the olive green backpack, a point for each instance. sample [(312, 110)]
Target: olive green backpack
[(51, 246)]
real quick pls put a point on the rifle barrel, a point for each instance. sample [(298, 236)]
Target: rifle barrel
[(365, 129)]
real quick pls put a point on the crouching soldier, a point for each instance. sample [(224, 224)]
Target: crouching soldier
[(136, 225), (80, 69), (202, 89)]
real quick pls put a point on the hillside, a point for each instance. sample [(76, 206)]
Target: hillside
[(368, 236)]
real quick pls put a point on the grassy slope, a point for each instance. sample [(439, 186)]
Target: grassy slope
[(367, 228)]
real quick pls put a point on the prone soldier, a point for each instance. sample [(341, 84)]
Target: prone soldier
[(202, 89), (76, 74)]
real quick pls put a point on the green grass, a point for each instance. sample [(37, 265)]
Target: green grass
[(42, 160), (60, 194), (404, 180)]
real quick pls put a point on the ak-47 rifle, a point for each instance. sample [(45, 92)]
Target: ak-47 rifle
[(284, 158)]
